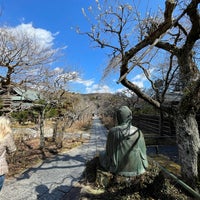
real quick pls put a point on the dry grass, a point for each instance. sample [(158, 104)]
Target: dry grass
[(152, 185), (79, 126), (29, 153), (108, 122), (168, 164)]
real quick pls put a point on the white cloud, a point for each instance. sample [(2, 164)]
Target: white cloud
[(96, 88), (68, 76), (43, 37), (89, 86), (58, 70), (139, 80), (121, 90), (86, 83)]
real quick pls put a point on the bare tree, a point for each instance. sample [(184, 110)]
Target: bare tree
[(138, 43), (52, 87), (22, 51)]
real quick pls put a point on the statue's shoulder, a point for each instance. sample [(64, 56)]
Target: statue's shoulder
[(134, 129), (114, 129)]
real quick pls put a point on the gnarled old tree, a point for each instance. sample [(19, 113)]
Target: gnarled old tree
[(24, 54), (22, 50), (142, 42)]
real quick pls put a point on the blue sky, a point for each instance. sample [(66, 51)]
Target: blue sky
[(60, 17)]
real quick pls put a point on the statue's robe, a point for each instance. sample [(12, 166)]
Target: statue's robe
[(125, 152)]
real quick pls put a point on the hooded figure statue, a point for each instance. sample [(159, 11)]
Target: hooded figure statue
[(125, 152)]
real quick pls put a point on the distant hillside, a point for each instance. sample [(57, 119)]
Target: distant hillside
[(105, 103)]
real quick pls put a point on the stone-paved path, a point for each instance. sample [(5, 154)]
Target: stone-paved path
[(54, 178)]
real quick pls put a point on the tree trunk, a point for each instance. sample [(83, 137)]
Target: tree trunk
[(55, 130), (41, 125), (188, 145), (161, 122)]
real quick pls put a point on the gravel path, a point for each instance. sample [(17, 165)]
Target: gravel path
[(54, 178)]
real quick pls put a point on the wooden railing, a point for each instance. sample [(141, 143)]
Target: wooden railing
[(6, 103), (151, 124)]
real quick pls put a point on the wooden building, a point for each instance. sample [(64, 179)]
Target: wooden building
[(17, 98)]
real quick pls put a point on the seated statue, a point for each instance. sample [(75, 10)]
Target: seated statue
[(125, 152)]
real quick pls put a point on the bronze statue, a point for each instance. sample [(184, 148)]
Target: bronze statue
[(125, 152)]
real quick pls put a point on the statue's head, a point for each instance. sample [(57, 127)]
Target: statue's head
[(124, 115)]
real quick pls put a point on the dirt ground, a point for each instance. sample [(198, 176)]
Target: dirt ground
[(152, 186), (29, 154)]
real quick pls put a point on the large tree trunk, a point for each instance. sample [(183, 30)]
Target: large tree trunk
[(188, 145)]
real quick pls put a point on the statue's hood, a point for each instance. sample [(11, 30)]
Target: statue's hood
[(124, 115)]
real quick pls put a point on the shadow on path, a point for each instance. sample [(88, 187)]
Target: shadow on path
[(56, 178), (43, 192), (53, 163)]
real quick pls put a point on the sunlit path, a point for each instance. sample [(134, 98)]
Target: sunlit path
[(54, 178)]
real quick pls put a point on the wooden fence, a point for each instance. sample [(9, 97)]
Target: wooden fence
[(151, 124)]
